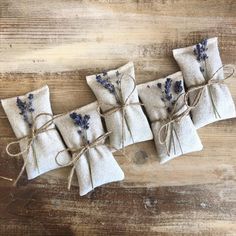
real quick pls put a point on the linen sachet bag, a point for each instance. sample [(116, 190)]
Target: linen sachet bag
[(30, 116), (203, 75), (117, 96), (174, 132), (92, 160)]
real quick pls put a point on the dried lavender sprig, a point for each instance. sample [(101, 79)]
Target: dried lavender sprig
[(21, 105), (167, 97), (200, 50), (25, 108), (168, 94), (81, 121), (30, 103), (178, 87), (106, 84)]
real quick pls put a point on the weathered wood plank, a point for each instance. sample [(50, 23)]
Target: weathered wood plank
[(206, 209), (53, 36)]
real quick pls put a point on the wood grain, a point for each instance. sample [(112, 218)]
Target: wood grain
[(60, 42)]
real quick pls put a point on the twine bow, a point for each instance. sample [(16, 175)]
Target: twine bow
[(121, 106), (78, 153), (34, 132)]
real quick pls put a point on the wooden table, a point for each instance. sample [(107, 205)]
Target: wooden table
[(60, 42)]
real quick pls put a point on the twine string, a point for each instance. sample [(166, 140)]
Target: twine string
[(78, 153), (34, 132), (121, 106), (200, 88), (176, 116)]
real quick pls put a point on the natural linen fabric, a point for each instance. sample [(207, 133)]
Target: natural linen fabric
[(47, 144), (136, 127), (103, 166), (151, 96), (203, 113)]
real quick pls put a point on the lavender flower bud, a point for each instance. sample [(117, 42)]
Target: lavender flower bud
[(178, 88)]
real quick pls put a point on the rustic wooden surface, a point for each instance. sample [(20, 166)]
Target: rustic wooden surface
[(60, 42)]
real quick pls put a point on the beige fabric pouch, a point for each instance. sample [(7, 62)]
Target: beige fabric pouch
[(97, 166), (21, 111), (160, 98), (200, 63), (113, 88)]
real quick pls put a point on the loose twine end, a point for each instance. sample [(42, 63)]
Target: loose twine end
[(6, 178)]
